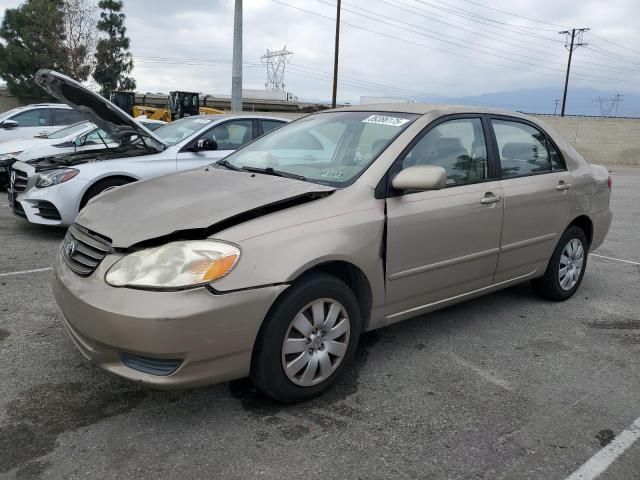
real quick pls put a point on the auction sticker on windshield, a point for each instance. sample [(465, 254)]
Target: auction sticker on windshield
[(384, 120), (202, 120)]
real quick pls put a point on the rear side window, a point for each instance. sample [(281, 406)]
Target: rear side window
[(38, 117), (557, 162), (268, 125), (66, 117), (522, 148)]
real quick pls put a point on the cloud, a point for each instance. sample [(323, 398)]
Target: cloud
[(401, 48)]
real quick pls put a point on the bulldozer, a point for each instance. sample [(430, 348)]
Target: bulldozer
[(180, 104)]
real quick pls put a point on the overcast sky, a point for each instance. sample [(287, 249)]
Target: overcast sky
[(403, 48)]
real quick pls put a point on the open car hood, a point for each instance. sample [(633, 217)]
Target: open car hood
[(190, 205), (98, 109)]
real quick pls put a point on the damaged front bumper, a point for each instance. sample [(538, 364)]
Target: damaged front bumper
[(164, 340)]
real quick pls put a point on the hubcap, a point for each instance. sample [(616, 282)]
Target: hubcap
[(571, 262), (316, 342)]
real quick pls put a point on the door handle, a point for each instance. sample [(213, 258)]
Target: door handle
[(489, 197), (563, 186)]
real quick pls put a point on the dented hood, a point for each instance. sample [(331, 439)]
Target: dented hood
[(190, 205), (96, 108)]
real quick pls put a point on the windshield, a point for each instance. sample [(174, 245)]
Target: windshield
[(175, 132), (329, 148), (69, 130)]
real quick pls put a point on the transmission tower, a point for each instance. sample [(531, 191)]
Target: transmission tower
[(609, 106), (275, 61)]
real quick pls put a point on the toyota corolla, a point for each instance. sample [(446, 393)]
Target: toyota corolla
[(270, 264)]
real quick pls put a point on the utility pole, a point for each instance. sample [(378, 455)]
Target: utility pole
[(571, 45), (335, 58), (236, 75), (555, 109)]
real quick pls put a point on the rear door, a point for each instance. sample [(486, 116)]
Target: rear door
[(537, 196), (65, 116), (229, 136), (444, 243)]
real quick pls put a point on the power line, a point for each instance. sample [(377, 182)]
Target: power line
[(376, 17), (515, 14), (461, 11), (616, 44)]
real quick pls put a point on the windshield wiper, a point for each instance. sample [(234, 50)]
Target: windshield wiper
[(226, 164), (276, 173)]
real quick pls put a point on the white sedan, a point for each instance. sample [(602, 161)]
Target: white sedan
[(51, 190), (79, 137)]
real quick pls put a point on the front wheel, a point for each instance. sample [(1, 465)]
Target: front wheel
[(307, 340), (566, 267)]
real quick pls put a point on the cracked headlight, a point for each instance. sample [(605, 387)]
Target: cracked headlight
[(180, 264), (55, 177)]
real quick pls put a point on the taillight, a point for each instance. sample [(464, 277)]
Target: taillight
[(609, 182)]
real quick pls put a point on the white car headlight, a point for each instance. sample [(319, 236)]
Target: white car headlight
[(56, 177), (188, 263), (7, 156)]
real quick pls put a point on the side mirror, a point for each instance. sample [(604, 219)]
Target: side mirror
[(206, 144), (420, 177), (8, 124), (79, 141)]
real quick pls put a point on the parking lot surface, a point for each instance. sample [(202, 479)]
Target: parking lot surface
[(507, 386)]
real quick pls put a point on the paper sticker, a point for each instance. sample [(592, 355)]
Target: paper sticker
[(201, 120), (384, 120)]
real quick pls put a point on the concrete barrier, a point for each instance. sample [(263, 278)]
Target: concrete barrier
[(606, 141)]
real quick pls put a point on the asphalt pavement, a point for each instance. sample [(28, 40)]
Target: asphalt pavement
[(507, 386)]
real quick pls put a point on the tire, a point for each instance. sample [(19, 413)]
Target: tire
[(553, 285), (269, 358), (101, 186)]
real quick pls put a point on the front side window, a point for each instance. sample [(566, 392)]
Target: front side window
[(231, 135), (458, 146), (38, 117), (522, 148), (330, 148)]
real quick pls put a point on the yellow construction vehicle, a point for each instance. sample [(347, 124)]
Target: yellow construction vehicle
[(152, 113), (180, 104)]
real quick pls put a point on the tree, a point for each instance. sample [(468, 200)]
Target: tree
[(113, 60), (33, 37), (80, 41)]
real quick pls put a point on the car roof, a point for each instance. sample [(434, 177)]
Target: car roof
[(424, 108), (227, 116), (48, 105)]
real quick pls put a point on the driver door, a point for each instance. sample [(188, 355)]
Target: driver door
[(227, 136), (444, 243)]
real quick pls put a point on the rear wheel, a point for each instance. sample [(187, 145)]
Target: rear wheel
[(101, 186), (566, 267), (307, 340)]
